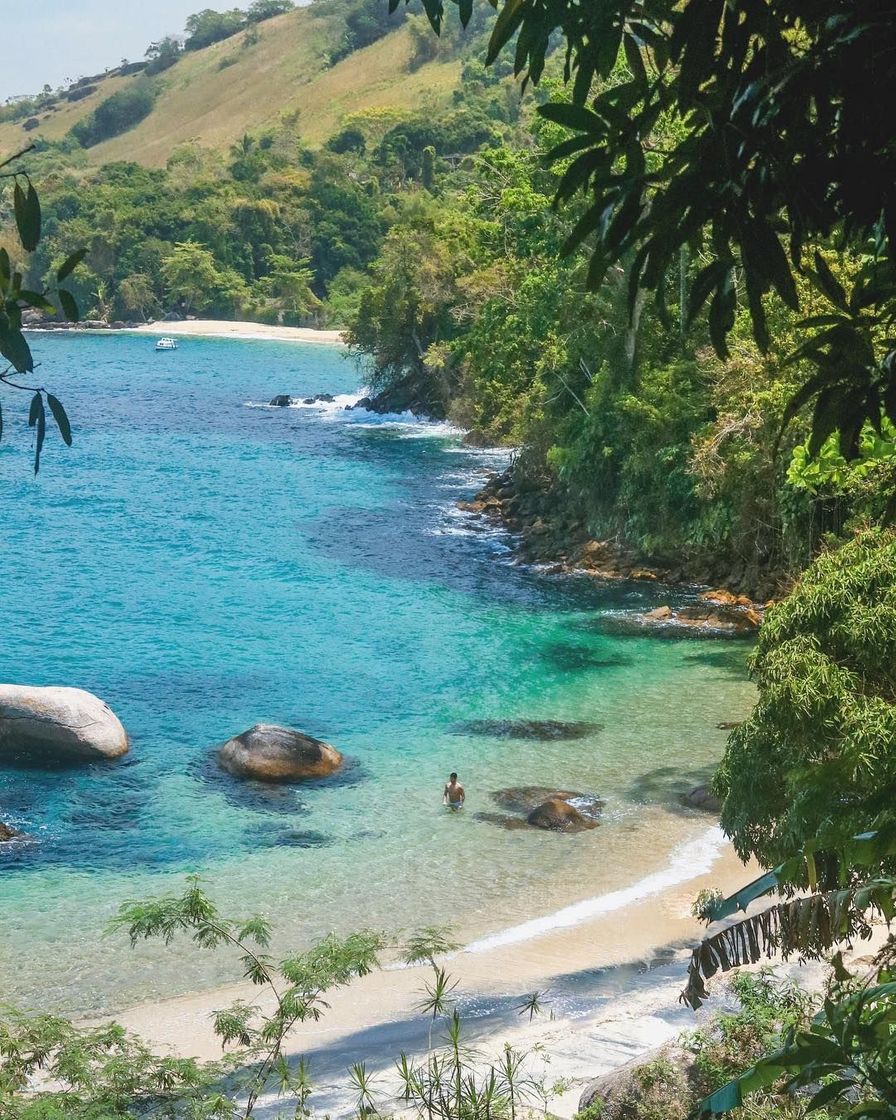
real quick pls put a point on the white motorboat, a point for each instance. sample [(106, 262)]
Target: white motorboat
[(166, 344)]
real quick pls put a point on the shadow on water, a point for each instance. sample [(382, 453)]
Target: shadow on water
[(666, 784), (532, 730), (570, 657), (274, 797), (733, 661)]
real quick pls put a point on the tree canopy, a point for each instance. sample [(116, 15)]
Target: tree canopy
[(818, 750), (784, 139)]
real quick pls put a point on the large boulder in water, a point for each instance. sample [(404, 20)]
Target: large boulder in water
[(282, 400), (60, 723), (269, 753), (555, 810), (557, 815), (7, 833)]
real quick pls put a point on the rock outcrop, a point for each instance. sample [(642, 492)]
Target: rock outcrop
[(58, 723), (700, 619), (282, 400), (657, 1084), (410, 394), (270, 753), (7, 833), (549, 533)]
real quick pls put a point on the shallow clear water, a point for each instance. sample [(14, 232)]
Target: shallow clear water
[(203, 562)]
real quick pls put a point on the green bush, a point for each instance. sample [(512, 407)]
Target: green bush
[(116, 114), (819, 749)]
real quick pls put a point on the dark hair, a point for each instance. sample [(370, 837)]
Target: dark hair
[(453, 777)]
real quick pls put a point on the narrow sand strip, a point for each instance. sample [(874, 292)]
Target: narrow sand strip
[(221, 328), (611, 979)]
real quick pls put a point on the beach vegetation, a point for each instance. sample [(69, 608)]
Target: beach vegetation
[(817, 751), (51, 1069)]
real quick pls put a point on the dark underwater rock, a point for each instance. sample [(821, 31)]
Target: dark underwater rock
[(7, 834), (542, 807), (569, 656), (702, 797), (540, 730)]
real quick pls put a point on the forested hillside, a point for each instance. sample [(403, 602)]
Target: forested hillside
[(424, 224), (310, 66)]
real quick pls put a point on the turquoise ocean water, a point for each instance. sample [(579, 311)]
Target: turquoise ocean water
[(203, 562)]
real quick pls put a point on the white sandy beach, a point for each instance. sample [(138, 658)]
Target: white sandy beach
[(611, 979), (221, 328)]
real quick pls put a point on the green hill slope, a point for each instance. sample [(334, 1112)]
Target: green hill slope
[(278, 69)]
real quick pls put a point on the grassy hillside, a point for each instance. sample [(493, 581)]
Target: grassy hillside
[(254, 79)]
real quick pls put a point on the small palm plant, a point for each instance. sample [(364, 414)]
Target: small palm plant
[(452, 1081)]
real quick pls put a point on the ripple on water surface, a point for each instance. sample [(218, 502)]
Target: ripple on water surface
[(203, 565)]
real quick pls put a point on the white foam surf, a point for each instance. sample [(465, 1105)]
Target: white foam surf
[(689, 861)]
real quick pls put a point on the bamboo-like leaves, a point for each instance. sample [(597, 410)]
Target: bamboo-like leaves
[(69, 266), (61, 418), (28, 215), (37, 419), (808, 926)]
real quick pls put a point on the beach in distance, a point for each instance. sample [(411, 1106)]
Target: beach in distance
[(222, 328)]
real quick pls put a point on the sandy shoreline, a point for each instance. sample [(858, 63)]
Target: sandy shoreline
[(220, 328), (612, 982)]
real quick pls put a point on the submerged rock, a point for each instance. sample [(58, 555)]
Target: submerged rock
[(320, 398), (269, 753), (503, 820), (571, 657), (58, 723), (543, 730), (7, 834), (523, 799), (282, 400), (702, 797), (543, 807)]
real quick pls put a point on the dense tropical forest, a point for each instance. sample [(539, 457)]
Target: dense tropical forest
[(432, 238), (532, 260)]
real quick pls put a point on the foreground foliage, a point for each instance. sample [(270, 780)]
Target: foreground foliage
[(50, 1069), (16, 297), (818, 750), (775, 138)]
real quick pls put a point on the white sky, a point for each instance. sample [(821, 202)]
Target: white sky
[(49, 41)]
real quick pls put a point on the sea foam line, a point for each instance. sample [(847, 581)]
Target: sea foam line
[(689, 861)]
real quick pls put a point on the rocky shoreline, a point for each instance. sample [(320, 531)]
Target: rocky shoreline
[(562, 544)]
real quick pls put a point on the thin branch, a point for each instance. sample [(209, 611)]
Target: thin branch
[(18, 155)]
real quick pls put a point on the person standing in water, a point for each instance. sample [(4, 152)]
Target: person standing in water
[(454, 793)]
